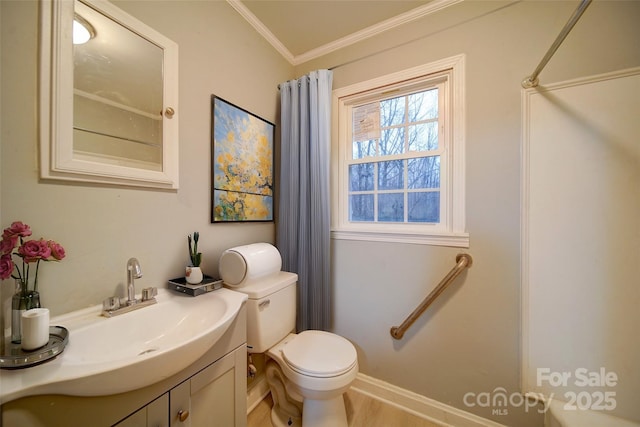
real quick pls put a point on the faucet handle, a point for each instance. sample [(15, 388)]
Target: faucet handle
[(111, 303), (149, 293)]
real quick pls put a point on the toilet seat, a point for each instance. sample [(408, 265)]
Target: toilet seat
[(319, 354)]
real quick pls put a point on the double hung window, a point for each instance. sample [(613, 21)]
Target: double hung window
[(398, 179)]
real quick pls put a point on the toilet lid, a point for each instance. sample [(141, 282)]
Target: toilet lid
[(319, 354)]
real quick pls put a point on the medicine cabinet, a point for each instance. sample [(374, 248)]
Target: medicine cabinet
[(109, 102)]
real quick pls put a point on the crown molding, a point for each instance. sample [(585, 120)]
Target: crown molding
[(262, 29), (374, 30)]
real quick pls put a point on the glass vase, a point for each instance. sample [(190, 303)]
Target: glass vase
[(23, 299)]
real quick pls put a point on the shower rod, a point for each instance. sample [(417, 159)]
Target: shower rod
[(532, 80)]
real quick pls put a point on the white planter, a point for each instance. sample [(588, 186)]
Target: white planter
[(193, 275)]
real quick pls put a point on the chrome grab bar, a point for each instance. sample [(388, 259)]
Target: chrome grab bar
[(462, 261)]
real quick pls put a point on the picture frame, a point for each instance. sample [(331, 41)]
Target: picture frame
[(242, 155)]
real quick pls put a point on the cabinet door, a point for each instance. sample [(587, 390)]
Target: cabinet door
[(155, 414), (180, 407), (212, 397), (137, 419), (218, 393), (158, 412)]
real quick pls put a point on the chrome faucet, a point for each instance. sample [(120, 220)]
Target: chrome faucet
[(133, 272), (113, 306)]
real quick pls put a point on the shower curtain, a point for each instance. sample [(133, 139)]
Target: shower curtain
[(303, 223)]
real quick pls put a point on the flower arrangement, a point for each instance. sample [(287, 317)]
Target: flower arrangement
[(29, 251), (194, 255)]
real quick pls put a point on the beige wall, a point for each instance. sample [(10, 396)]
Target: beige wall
[(469, 340), (100, 226)]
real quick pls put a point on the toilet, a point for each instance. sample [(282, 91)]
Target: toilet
[(308, 372)]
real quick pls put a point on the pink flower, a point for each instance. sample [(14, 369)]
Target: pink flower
[(30, 252), (18, 229), (7, 244), (57, 251), (6, 266), (33, 250)]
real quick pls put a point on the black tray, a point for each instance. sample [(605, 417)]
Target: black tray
[(208, 284)]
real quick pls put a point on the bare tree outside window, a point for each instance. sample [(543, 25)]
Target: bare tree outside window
[(400, 181)]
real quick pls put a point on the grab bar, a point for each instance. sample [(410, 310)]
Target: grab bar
[(462, 261)]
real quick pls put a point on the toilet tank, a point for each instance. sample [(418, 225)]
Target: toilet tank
[(271, 307), (271, 310)]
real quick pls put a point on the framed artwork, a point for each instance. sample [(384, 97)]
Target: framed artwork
[(241, 164)]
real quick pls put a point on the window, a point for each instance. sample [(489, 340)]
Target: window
[(400, 169)]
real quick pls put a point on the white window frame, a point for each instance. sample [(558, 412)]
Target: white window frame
[(450, 231)]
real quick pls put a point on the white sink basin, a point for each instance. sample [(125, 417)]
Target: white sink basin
[(130, 351)]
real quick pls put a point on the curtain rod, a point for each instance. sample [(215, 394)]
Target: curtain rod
[(306, 75), (532, 80)]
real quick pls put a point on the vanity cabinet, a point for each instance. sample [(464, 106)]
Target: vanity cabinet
[(210, 392), (206, 399)]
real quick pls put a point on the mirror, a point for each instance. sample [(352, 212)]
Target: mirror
[(108, 105), (117, 93)]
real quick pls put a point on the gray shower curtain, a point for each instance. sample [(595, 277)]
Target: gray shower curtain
[(303, 223)]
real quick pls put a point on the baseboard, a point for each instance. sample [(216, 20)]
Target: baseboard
[(258, 391), (418, 405)]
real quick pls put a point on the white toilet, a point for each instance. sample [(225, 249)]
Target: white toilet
[(314, 368)]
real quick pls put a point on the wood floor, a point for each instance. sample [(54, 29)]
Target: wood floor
[(362, 411)]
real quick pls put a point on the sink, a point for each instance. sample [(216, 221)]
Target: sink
[(115, 355)]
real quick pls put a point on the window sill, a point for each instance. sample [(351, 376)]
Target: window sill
[(457, 240)]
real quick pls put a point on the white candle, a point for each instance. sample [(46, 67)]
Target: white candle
[(35, 328)]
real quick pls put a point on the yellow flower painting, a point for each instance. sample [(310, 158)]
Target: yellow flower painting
[(242, 161)]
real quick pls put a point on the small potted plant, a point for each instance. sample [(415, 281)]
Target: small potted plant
[(193, 272)]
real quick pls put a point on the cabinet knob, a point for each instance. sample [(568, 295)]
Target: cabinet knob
[(169, 112), (183, 415)]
